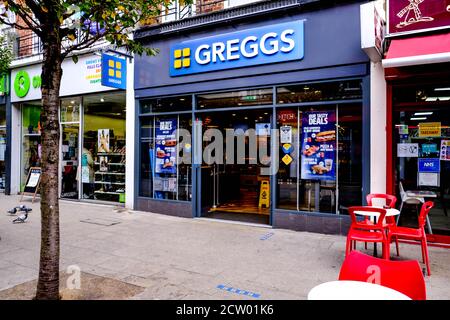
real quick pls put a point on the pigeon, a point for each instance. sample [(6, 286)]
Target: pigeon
[(25, 208), (13, 210), (21, 218)]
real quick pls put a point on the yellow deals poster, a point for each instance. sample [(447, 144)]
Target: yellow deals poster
[(429, 129)]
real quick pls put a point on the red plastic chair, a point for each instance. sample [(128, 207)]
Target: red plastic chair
[(365, 232), (403, 276), (396, 233), (390, 203)]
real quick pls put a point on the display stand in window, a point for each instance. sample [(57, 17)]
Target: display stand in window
[(109, 166)]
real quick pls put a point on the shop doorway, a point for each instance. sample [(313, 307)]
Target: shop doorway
[(70, 146), (421, 154), (236, 189)]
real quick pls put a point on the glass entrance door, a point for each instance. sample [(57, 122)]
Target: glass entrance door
[(70, 142), (233, 184)]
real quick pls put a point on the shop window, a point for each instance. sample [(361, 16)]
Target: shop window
[(235, 99), (320, 166), (2, 146), (162, 174), (326, 91), (31, 138), (421, 150), (104, 151), (168, 104)]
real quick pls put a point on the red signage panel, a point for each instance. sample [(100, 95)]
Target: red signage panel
[(408, 16)]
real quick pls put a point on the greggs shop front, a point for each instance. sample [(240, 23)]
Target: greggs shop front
[(276, 107)]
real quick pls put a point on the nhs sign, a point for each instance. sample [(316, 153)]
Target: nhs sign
[(270, 44)]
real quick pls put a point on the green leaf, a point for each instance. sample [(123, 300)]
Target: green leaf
[(75, 59)]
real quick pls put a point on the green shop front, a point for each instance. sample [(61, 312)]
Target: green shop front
[(92, 122)]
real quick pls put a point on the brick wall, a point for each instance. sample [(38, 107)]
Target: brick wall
[(25, 38), (205, 6)]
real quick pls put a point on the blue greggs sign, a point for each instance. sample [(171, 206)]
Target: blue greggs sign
[(275, 43), (114, 72)]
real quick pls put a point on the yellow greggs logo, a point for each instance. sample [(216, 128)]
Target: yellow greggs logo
[(115, 69), (182, 58)]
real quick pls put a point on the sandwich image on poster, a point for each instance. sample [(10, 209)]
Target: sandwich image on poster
[(165, 147), (318, 152)]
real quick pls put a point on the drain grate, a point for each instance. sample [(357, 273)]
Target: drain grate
[(101, 222)]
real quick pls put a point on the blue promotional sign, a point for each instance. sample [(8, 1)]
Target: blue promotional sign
[(114, 72), (318, 159), (429, 165), (165, 155), (270, 44)]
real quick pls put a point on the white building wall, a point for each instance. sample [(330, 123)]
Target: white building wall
[(130, 137), (377, 128), (15, 149)]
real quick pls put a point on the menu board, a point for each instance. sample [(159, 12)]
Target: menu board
[(318, 158), (166, 142), (33, 180)]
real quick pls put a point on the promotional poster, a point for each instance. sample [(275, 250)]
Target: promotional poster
[(166, 141), (318, 153), (103, 141)]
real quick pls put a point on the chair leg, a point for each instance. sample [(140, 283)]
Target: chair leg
[(400, 212), (423, 252), (365, 245), (396, 246), (427, 259), (386, 249), (354, 245), (348, 247)]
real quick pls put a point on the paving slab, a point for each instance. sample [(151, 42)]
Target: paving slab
[(177, 258)]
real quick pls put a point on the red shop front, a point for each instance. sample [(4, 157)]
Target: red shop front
[(417, 72)]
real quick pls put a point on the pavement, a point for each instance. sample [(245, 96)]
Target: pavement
[(178, 258)]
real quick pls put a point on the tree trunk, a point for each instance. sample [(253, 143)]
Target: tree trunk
[(48, 282)]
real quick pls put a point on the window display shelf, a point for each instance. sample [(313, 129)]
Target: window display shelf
[(111, 173), (112, 164), (110, 154), (114, 183), (31, 134), (109, 192)]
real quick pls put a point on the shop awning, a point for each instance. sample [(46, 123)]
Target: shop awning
[(418, 50)]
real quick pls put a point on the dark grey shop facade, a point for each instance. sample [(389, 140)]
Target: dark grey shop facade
[(271, 85)]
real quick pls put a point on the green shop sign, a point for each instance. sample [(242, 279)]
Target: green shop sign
[(22, 83), (4, 85)]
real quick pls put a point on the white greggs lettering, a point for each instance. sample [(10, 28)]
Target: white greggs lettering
[(273, 43), (250, 47)]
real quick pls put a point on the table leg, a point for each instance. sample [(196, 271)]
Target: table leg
[(429, 225)]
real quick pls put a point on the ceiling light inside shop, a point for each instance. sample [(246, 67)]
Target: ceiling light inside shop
[(102, 100), (442, 89), (423, 113), (182, 99), (234, 114), (431, 99), (266, 113), (419, 118), (72, 102)]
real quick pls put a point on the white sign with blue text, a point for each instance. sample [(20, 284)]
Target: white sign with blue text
[(270, 44)]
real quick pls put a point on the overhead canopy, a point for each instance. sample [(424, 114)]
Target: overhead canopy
[(418, 50)]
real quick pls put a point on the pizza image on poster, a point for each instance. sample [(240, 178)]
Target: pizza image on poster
[(318, 153)]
